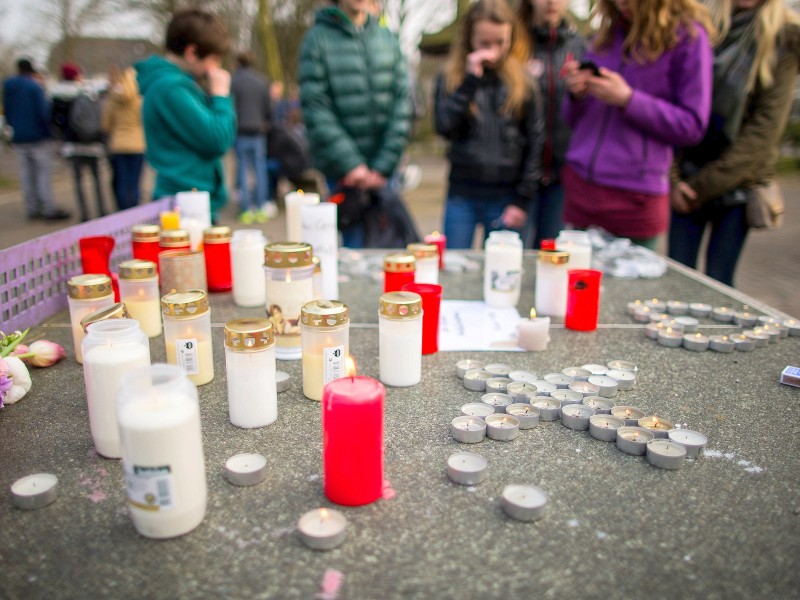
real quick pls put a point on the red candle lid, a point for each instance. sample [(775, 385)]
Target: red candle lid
[(548, 245)]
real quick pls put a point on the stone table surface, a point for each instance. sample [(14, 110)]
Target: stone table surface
[(725, 526)]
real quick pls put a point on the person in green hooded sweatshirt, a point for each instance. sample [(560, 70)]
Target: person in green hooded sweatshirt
[(189, 119)]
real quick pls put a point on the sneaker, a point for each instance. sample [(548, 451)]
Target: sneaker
[(261, 216), (55, 215), (247, 217)]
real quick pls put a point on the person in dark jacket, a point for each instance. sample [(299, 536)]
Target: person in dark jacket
[(251, 97), (547, 42), (354, 91), (489, 111), (759, 55), (28, 113)]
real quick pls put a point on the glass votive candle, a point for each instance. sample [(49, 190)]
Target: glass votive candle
[(325, 331), (86, 294), (138, 290)]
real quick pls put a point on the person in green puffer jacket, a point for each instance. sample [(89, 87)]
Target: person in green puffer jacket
[(188, 116), (355, 94)]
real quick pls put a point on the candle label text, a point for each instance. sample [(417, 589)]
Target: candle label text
[(150, 488), (333, 363), (186, 355)]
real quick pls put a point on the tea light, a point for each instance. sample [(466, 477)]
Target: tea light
[(523, 502), (585, 388), (771, 331), (782, 329), (660, 427), (676, 307), (631, 307), (549, 408), (523, 376), (465, 365), (642, 314), (745, 319), (246, 469), (760, 339), (699, 309), (560, 380), (576, 374), (566, 397), (722, 314), (666, 454), (497, 384), (670, 338), (576, 416), (742, 343), (283, 381), (607, 386), (35, 491), (604, 427), (693, 441), (466, 468), (651, 330), (601, 406), (468, 430), (696, 342), (497, 401), (503, 428), (322, 528), (498, 369), (527, 415), (622, 365), (475, 409), (689, 324), (595, 369), (629, 414), (767, 320), (793, 325), (626, 380), (475, 379), (521, 391), (656, 304), (633, 440), (544, 388), (658, 317), (720, 343)]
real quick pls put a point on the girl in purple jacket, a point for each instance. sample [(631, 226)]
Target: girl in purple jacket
[(643, 88)]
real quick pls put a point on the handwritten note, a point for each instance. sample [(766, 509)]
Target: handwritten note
[(471, 325)]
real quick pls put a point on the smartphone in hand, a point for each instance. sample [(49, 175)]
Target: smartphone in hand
[(591, 66)]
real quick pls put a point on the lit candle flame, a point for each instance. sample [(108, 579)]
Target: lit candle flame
[(323, 514), (349, 367), (698, 335), (302, 193), (533, 313), (635, 435), (436, 234), (655, 421)]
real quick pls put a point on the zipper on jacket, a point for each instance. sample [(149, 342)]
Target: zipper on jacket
[(603, 129), (361, 35), (547, 158)]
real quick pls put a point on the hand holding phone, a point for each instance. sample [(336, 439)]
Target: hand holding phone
[(589, 65)]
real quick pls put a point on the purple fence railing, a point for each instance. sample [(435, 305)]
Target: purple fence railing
[(34, 274)]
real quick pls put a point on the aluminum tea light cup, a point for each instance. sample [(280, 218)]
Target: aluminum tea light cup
[(322, 528), (601, 406), (477, 409), (35, 491), (498, 369), (604, 427), (658, 317), (549, 408), (622, 365), (689, 324), (524, 502), (696, 342), (666, 454), (771, 331), (742, 343), (694, 441), (544, 388), (629, 414), (720, 343), (576, 416), (502, 427), (656, 305), (475, 379), (793, 326), (759, 339), (631, 307), (560, 380), (660, 427), (466, 468), (722, 314), (670, 338), (626, 380), (642, 314), (676, 307), (595, 369), (465, 365), (585, 388), (633, 440), (246, 469), (497, 401), (745, 318), (468, 430), (700, 310), (497, 384), (521, 391), (526, 414), (523, 376), (607, 386), (566, 397), (576, 373)]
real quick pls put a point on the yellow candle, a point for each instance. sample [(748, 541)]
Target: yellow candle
[(170, 219)]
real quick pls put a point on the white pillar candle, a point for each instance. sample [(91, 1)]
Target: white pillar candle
[(318, 228), (247, 267), (194, 227), (250, 370), (111, 349), (194, 206), (400, 339), (502, 270), (534, 333), (552, 280), (162, 451), (294, 223)]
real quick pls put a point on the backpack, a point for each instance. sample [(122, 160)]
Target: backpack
[(83, 120)]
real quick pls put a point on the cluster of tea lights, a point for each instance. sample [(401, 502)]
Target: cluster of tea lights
[(674, 323), (579, 397)]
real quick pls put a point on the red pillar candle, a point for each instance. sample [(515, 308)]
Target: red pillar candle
[(144, 240), (352, 440), (399, 269), (217, 247), (441, 243), (431, 295), (583, 299)]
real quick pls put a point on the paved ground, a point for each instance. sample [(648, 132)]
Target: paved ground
[(769, 270)]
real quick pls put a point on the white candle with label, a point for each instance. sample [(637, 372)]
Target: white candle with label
[(534, 333), (502, 269), (325, 326)]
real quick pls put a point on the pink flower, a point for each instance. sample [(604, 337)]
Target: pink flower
[(45, 353), (19, 349)]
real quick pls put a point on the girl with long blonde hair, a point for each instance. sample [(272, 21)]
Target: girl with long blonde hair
[(755, 68), (487, 109), (645, 87)]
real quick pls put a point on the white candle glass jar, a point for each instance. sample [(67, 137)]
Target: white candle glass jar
[(325, 332), (162, 451), (552, 281), (250, 369), (111, 349), (427, 261), (502, 270), (138, 290), (289, 284), (247, 263), (578, 245), (187, 334), (400, 338), (86, 294)]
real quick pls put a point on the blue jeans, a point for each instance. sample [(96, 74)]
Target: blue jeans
[(251, 151), (127, 173), (35, 169), (355, 235), (545, 215), (728, 234), (462, 214)]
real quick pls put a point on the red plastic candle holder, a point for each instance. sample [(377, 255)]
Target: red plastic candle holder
[(440, 240), (399, 269), (217, 248), (431, 295), (583, 299), (144, 240)]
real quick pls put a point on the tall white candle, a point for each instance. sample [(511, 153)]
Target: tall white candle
[(400, 338), (294, 200), (194, 206), (247, 267), (318, 226), (552, 280), (162, 451), (250, 369)]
